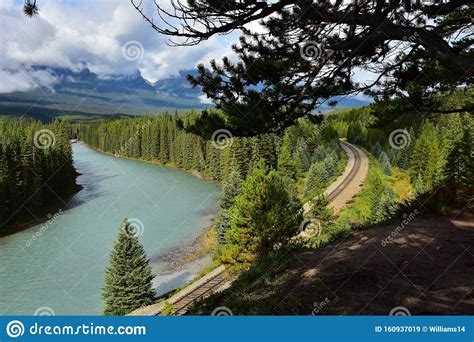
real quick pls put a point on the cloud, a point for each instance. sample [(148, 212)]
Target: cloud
[(71, 34), (22, 80), (205, 100)]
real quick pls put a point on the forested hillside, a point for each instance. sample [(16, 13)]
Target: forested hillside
[(435, 152), (36, 168), (164, 138), (410, 157), (417, 166)]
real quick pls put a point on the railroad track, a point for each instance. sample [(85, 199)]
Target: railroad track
[(182, 305), (216, 279), (350, 176)]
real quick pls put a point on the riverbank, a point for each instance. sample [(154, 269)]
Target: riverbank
[(194, 173), (185, 263), (24, 221)]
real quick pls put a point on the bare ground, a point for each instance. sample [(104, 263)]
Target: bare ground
[(426, 268)]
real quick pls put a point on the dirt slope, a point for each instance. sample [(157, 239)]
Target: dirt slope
[(427, 268)]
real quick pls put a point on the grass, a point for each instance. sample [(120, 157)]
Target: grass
[(400, 183), (357, 212)]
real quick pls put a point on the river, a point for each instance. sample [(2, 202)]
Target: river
[(58, 266)]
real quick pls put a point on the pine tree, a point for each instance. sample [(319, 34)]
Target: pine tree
[(418, 186), (222, 225), (232, 188), (393, 156), (425, 159), (302, 156), (460, 165), (385, 162), (377, 149), (286, 163), (265, 215), (29, 177), (319, 208), (355, 132), (128, 278), (164, 152), (384, 206), (330, 164), (319, 154), (404, 158), (317, 178)]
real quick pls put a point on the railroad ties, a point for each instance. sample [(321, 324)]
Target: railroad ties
[(182, 301), (350, 176), (182, 305)]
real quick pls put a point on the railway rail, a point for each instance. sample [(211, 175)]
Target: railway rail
[(181, 306), (217, 279), (350, 176)]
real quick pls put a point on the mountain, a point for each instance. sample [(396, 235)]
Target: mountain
[(84, 94)]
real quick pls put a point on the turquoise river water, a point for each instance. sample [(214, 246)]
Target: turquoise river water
[(58, 266)]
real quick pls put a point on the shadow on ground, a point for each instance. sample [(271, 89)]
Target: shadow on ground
[(427, 268)]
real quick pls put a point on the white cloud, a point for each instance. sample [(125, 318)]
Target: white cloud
[(68, 34), (23, 80), (205, 100)]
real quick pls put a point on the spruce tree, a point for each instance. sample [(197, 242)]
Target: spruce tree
[(317, 178), (384, 206), (460, 165), (425, 159), (232, 188), (385, 162), (319, 208), (286, 163), (29, 177), (418, 186), (377, 149), (222, 225), (330, 164), (128, 278), (302, 156), (405, 153), (264, 216), (319, 153)]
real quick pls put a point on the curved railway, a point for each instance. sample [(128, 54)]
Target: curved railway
[(217, 279), (350, 176)]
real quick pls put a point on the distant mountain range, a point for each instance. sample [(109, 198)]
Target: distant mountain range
[(85, 94)]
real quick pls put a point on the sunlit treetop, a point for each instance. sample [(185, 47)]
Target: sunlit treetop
[(309, 52)]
